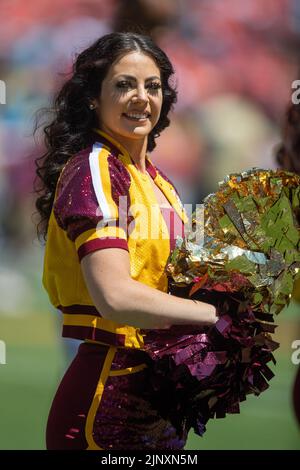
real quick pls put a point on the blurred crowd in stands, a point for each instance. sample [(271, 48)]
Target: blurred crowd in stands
[(234, 60)]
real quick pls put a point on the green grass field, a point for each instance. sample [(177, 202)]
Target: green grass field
[(35, 363)]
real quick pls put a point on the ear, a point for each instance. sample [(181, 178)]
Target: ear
[(93, 104)]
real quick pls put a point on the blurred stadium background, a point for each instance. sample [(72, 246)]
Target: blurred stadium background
[(235, 63)]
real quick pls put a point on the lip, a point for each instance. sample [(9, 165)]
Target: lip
[(136, 120)]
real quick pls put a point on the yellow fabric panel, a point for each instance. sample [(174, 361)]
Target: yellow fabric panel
[(148, 251), (171, 196), (62, 275)]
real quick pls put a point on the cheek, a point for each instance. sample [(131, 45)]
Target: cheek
[(110, 101), (157, 105), (110, 110)]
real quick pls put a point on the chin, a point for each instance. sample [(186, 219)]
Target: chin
[(138, 131)]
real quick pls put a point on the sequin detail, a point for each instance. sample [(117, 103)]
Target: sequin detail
[(76, 208), (126, 420)]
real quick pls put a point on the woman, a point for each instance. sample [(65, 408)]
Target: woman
[(111, 218)]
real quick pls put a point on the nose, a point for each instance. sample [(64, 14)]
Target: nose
[(140, 95)]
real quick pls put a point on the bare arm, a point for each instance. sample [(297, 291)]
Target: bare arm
[(122, 299)]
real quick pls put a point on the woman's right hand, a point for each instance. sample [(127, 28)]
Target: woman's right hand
[(207, 310)]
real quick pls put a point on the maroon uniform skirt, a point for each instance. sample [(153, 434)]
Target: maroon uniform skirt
[(100, 404)]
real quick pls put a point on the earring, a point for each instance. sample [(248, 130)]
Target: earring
[(92, 106)]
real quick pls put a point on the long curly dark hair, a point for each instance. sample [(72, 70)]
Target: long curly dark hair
[(70, 129)]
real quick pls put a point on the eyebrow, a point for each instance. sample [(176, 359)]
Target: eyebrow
[(131, 77)]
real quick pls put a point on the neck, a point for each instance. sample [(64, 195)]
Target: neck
[(136, 148)]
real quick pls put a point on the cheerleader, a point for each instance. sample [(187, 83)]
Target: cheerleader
[(110, 218)]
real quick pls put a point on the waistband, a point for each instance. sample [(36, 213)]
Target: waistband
[(84, 322)]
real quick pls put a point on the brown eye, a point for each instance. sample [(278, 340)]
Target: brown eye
[(123, 84), (154, 85)]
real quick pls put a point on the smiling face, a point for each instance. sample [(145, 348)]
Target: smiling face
[(130, 101)]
